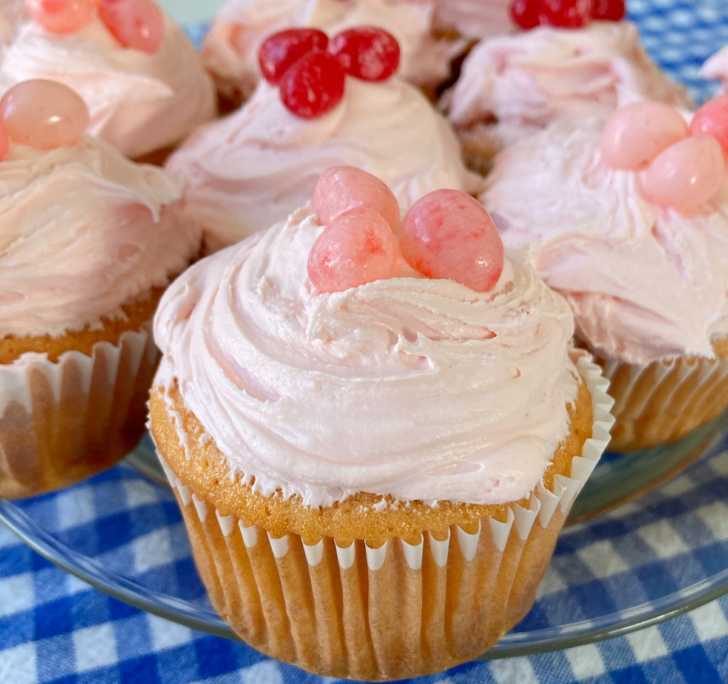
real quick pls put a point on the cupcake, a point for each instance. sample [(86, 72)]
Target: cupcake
[(627, 217), (141, 78), (373, 462), (253, 168), (231, 48), (515, 85), (88, 241)]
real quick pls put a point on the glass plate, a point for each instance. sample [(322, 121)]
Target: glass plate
[(636, 565), (639, 564)]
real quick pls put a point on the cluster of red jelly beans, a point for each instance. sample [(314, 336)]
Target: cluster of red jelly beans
[(679, 166), (310, 71), (445, 234), (529, 14), (136, 24), (41, 114)]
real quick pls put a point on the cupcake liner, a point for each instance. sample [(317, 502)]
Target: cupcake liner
[(401, 609), (63, 421), (664, 400)]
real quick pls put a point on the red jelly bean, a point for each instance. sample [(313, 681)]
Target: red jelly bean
[(566, 13), (367, 52), (136, 24), (282, 50), (313, 85), (608, 10), (526, 13)]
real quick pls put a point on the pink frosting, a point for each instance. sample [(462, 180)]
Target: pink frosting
[(138, 102), (231, 47), (526, 80), (253, 168), (418, 388), (83, 231), (644, 283)]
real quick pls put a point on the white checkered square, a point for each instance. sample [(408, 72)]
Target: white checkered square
[(94, 647)]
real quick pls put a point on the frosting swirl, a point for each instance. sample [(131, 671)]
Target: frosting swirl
[(416, 388), (253, 168), (527, 79), (475, 18), (644, 283), (231, 48), (82, 232), (138, 102)]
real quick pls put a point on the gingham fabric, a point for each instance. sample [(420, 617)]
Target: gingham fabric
[(54, 628)]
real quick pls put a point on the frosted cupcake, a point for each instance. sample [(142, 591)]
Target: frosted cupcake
[(141, 78), (628, 218), (88, 241), (515, 85), (333, 420), (249, 170), (231, 47)]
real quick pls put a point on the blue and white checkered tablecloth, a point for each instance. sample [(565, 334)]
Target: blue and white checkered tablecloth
[(54, 628)]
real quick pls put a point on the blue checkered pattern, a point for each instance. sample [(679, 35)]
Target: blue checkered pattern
[(55, 628)]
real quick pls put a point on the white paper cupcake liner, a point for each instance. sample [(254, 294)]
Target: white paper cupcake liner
[(65, 420), (401, 609), (663, 401)]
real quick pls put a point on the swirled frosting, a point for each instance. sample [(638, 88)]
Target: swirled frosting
[(475, 18), (253, 168), (514, 85), (645, 283), (416, 388), (231, 48), (82, 232), (138, 102)]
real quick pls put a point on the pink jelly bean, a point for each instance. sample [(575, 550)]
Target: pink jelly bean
[(136, 24), (637, 133), (447, 234), (4, 142), (712, 119), (356, 248), (44, 114), (342, 188), (686, 175), (62, 16)]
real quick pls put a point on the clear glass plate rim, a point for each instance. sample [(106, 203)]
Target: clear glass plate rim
[(539, 641)]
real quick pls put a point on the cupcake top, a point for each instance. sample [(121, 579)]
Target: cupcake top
[(231, 48), (643, 265), (387, 382), (141, 98), (83, 231), (253, 168), (525, 80)]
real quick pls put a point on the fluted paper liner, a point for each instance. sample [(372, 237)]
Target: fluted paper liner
[(399, 610), (664, 400), (66, 420)]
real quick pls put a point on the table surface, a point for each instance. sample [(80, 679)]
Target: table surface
[(54, 628)]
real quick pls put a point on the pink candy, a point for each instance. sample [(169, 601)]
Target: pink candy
[(686, 175), (136, 24), (4, 142), (637, 133), (43, 114), (712, 119), (681, 168), (342, 188), (62, 16), (356, 248), (448, 234)]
